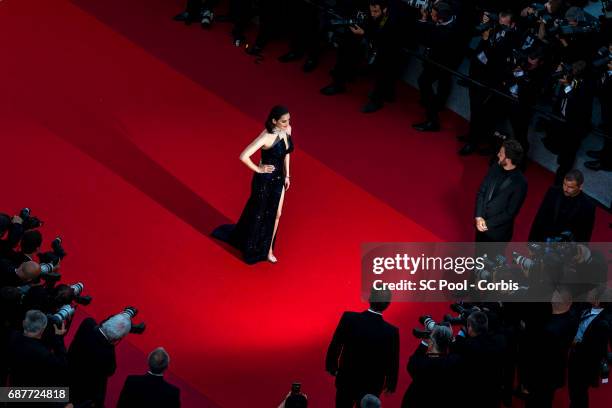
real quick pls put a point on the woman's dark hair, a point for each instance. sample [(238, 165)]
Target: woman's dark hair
[(275, 114)]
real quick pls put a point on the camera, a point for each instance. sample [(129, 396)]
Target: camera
[(29, 221), (463, 312), (419, 4), (491, 266), (358, 20), (428, 325), (131, 312), (492, 23), (602, 58), (50, 260), (62, 315)]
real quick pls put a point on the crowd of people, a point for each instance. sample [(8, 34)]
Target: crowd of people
[(522, 54), (36, 314)]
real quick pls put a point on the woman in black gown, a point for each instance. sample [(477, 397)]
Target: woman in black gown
[(255, 233)]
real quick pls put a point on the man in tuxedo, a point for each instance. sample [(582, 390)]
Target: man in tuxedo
[(364, 353), (565, 208), (501, 195), (150, 390), (589, 349)]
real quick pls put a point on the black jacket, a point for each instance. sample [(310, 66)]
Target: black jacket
[(586, 356), (443, 42), (430, 374), (92, 360), (32, 363), (148, 391), (482, 368), (364, 352), (559, 213), (499, 199)]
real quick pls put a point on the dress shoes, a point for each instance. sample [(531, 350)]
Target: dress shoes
[(207, 19), (427, 126), (290, 56), (596, 165), (372, 106), (310, 65), (594, 154), (467, 149), (333, 89)]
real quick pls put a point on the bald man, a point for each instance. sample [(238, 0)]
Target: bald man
[(11, 275)]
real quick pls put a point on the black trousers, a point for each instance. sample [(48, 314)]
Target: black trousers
[(386, 67), (520, 118), (577, 382), (305, 32), (434, 102), (241, 12), (570, 140)]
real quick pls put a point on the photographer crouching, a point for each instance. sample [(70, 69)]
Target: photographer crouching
[(379, 34)]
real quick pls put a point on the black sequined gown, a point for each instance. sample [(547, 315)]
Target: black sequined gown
[(252, 235)]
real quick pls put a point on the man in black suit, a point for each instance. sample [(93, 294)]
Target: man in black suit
[(364, 353), (482, 353), (432, 369), (565, 208), (150, 390), (92, 358), (11, 275), (501, 195), (589, 349), (31, 362)]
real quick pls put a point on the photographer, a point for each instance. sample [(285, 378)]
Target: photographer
[(381, 37), (574, 102), (439, 32), (31, 362), (14, 227), (498, 38), (589, 349), (547, 351), (92, 358), (524, 82), (11, 275), (603, 67), (565, 208), (483, 358), (305, 33), (432, 368)]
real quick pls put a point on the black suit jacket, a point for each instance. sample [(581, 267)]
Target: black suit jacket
[(364, 352), (482, 369), (430, 374), (558, 213), (148, 391), (587, 355), (32, 363), (92, 361), (499, 202)]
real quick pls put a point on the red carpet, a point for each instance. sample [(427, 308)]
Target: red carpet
[(122, 131)]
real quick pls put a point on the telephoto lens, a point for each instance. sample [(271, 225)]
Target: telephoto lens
[(63, 314)]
